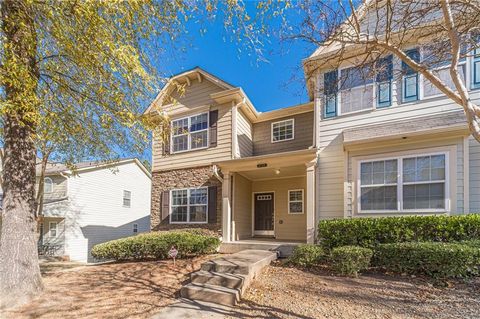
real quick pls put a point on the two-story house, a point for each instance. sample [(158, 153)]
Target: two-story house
[(392, 145), (96, 203)]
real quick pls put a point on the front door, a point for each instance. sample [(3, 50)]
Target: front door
[(264, 207)]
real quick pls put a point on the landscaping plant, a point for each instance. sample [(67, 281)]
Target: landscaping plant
[(434, 259), (370, 232), (156, 245), (306, 255), (350, 260)]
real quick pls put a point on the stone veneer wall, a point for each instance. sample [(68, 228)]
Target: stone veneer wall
[(183, 178)]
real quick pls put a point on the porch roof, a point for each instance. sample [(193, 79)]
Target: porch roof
[(268, 162)]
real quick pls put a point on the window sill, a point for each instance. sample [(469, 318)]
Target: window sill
[(188, 151), (404, 212), (290, 139), (188, 223)]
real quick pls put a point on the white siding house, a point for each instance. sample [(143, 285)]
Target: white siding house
[(99, 203)]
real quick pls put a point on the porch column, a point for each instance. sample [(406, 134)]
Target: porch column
[(226, 207), (310, 201)]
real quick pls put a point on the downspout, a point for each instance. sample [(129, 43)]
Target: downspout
[(234, 127)]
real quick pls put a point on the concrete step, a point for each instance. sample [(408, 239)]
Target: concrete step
[(211, 293), (284, 249), (246, 262), (218, 279)]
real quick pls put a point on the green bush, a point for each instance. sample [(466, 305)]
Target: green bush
[(350, 260), (306, 255), (156, 245), (434, 259), (369, 232)]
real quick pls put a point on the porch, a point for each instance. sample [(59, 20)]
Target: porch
[(284, 248), (268, 201)]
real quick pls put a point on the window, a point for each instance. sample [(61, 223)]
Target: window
[(295, 201), (52, 226), (356, 89), (47, 185), (135, 228), (127, 198), (410, 183), (282, 131), (190, 133), (330, 80), (384, 81), (410, 78), (1, 200), (476, 65), (189, 205)]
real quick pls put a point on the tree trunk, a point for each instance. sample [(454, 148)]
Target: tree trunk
[(20, 277)]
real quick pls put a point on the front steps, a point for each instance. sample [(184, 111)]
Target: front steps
[(224, 279)]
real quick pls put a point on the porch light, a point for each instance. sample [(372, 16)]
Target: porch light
[(277, 171)]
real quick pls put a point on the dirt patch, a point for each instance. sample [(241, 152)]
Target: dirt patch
[(120, 290), (281, 292)]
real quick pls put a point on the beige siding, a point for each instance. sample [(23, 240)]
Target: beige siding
[(287, 226), (331, 172), (244, 136), (59, 188), (242, 207), (474, 173), (303, 135), (197, 99)]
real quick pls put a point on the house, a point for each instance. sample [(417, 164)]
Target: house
[(392, 146), (96, 203)]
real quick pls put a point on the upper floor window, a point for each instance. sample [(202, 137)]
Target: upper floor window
[(410, 184), (189, 205), (190, 133), (47, 185), (476, 65), (283, 130), (410, 77), (330, 80), (127, 198)]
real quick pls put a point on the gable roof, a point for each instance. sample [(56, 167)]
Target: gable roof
[(186, 76), (59, 168)]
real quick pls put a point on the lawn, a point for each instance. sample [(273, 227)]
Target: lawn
[(141, 289)]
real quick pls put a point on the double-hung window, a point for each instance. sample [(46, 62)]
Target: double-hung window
[(404, 184), (189, 205), (410, 78), (190, 133), (295, 201), (384, 70), (52, 226), (356, 89), (476, 65), (127, 198), (330, 80), (283, 130)]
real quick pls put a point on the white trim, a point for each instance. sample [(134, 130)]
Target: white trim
[(235, 148), (400, 184), (262, 232), (189, 134), (288, 139), (188, 205), (296, 201), (466, 175)]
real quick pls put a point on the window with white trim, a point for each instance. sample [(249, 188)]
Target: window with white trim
[(190, 133), (356, 89), (408, 183), (189, 205), (295, 201), (47, 185), (127, 198), (52, 226), (282, 130)]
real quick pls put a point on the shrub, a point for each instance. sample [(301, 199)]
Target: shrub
[(306, 255), (369, 232), (195, 231), (350, 260), (434, 259), (156, 245)]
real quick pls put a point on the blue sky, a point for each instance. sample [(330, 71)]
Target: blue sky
[(269, 84)]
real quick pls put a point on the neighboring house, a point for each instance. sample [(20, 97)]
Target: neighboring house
[(364, 148), (97, 203)]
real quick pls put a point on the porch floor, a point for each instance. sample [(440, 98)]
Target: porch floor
[(284, 248)]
